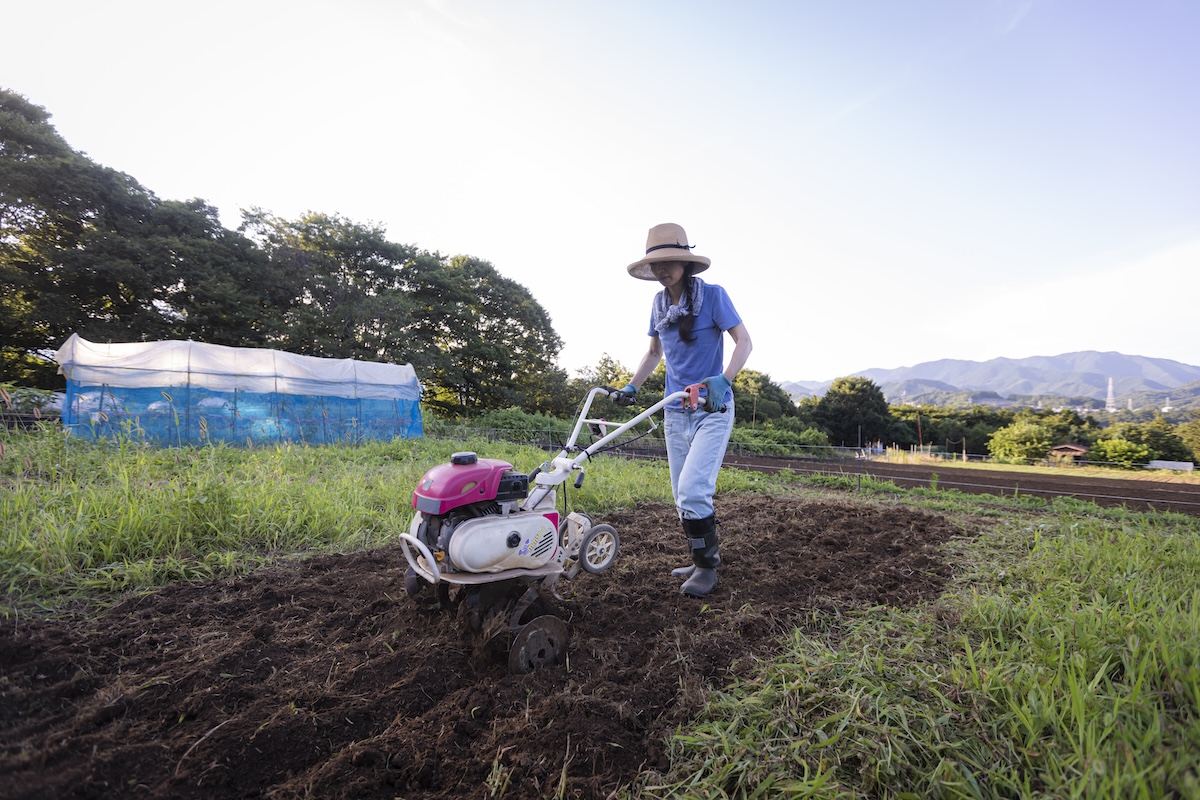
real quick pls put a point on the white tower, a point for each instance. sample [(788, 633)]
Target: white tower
[(1110, 405)]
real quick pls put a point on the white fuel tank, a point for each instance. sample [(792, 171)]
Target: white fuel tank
[(493, 544)]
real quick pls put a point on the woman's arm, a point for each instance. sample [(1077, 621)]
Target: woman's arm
[(648, 362), (741, 351)]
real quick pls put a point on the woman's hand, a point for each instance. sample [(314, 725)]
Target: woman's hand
[(627, 394), (717, 385)]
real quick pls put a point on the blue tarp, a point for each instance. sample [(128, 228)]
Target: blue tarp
[(179, 393)]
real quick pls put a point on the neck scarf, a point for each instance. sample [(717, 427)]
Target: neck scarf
[(666, 315)]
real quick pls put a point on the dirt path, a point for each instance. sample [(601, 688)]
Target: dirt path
[(322, 678)]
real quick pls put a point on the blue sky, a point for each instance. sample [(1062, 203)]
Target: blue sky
[(878, 183)]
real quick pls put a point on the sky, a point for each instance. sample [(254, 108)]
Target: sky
[(878, 183)]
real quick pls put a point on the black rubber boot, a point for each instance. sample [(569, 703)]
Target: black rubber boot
[(685, 572), (706, 556)]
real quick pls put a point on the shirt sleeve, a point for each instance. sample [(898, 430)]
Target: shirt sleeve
[(724, 314)]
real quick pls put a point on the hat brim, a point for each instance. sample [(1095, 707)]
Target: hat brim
[(641, 269)]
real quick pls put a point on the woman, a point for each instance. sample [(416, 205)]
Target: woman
[(688, 321)]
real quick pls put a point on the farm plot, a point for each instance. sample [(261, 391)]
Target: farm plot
[(1181, 496), (322, 678)]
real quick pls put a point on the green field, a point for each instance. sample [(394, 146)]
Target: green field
[(1062, 661)]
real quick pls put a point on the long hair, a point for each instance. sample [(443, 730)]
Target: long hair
[(689, 291)]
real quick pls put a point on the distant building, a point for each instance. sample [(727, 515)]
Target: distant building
[(1067, 452)]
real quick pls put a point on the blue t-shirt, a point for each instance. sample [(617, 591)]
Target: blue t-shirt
[(704, 356)]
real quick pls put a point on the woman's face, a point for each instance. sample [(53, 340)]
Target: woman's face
[(669, 274)]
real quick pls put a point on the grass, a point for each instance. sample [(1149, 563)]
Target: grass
[(85, 520), (1062, 662)]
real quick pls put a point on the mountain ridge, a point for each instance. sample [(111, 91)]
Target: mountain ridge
[(1079, 375)]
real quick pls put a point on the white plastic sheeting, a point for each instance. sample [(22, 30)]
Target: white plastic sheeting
[(182, 392), (138, 365)]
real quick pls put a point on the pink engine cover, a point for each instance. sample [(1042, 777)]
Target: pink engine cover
[(448, 486)]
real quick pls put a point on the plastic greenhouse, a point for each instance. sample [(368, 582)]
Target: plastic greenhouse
[(178, 393)]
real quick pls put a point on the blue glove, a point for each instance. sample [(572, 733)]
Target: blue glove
[(717, 385), (627, 393)]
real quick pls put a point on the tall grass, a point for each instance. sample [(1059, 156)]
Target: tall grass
[(1064, 662), (79, 516), (96, 517)]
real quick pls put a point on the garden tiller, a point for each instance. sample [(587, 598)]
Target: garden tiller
[(490, 540)]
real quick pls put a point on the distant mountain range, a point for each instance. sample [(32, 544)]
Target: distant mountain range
[(1071, 379)]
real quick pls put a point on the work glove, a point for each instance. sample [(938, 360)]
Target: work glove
[(717, 385), (625, 395)]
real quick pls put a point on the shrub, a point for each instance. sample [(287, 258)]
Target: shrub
[(519, 426), (1023, 440), (1121, 453), (783, 439), (24, 400)]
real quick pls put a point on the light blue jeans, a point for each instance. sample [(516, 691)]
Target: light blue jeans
[(696, 442)]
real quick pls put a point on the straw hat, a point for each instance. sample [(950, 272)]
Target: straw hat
[(666, 242)]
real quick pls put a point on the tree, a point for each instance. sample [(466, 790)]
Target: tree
[(1161, 439), (947, 427), (550, 392), (86, 249), (1189, 433), (217, 286), (1067, 427), (481, 338), (854, 411), (478, 340), (758, 399), (348, 295), (607, 372), (1026, 439), (1121, 452), (66, 260)]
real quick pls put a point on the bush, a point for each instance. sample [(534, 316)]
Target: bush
[(782, 439), (24, 400), (1024, 440), (518, 426), (1121, 453)]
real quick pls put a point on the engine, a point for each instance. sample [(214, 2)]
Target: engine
[(469, 517)]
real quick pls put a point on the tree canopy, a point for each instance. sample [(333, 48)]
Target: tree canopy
[(1161, 439), (1025, 439), (759, 399), (86, 249), (854, 411)]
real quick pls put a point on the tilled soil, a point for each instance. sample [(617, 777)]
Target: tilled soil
[(322, 678)]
